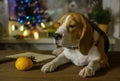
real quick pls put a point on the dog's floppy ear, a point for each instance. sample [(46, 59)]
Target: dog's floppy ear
[(86, 39)]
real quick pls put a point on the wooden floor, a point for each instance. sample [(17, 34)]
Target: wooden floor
[(68, 72)]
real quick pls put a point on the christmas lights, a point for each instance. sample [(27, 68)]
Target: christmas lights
[(32, 20), (29, 12)]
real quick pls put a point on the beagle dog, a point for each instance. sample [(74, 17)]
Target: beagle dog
[(81, 42)]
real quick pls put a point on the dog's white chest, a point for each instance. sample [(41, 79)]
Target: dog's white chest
[(76, 57)]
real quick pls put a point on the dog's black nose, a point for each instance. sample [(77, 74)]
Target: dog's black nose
[(57, 36)]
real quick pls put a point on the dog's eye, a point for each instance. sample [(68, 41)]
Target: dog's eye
[(71, 26)]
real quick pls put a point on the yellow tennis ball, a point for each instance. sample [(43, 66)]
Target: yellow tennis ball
[(23, 63)]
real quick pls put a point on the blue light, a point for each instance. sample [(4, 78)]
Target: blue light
[(26, 1), (27, 17), (39, 21), (21, 21), (38, 16)]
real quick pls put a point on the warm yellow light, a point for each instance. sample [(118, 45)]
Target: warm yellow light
[(51, 23), (26, 33), (28, 22), (43, 25), (13, 27), (36, 35), (21, 28)]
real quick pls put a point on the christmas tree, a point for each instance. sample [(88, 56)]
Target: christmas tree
[(31, 15)]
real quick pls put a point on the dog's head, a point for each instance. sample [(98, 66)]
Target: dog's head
[(74, 29)]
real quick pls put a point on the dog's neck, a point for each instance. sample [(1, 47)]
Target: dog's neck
[(73, 47)]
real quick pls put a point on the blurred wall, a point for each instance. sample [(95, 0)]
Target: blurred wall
[(114, 5), (4, 16), (58, 8)]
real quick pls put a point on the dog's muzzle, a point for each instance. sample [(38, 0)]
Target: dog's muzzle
[(57, 36)]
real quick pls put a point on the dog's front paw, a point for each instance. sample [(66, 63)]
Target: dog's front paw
[(87, 72), (49, 67)]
